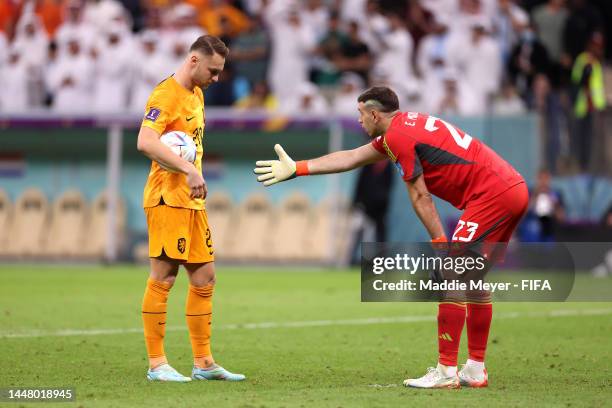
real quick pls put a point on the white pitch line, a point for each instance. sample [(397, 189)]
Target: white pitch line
[(301, 324)]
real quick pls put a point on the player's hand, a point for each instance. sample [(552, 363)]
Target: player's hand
[(196, 183), (274, 171), (441, 248)]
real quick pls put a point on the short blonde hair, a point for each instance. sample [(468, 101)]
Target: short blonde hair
[(209, 45)]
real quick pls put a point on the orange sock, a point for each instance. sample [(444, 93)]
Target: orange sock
[(199, 316), (154, 306)]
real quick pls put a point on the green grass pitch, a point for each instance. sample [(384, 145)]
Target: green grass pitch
[(301, 336)]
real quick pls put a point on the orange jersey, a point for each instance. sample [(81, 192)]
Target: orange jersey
[(172, 107)]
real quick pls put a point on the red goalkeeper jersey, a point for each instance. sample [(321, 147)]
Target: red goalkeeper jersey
[(456, 167)]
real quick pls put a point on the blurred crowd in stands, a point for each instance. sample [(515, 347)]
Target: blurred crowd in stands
[(450, 57)]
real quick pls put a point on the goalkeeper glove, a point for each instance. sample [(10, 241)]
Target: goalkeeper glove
[(274, 171)]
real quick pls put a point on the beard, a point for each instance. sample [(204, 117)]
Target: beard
[(373, 133)]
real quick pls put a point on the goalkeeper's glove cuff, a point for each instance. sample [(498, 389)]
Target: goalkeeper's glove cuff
[(301, 168)]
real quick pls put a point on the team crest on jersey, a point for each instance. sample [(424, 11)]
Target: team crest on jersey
[(181, 244), (153, 114)]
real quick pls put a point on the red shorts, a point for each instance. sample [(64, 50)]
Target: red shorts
[(493, 221)]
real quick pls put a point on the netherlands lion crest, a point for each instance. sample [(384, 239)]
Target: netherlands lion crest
[(181, 244)]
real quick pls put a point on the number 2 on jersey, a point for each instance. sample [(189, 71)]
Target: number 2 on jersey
[(463, 142)]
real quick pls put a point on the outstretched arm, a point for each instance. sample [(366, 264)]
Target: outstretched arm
[(274, 171), (425, 208), (344, 160)]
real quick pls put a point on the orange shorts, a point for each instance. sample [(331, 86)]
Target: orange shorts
[(179, 233)]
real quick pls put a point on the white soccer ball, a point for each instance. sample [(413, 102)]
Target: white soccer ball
[(181, 144)]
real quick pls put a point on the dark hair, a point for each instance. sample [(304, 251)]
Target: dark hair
[(380, 98), (209, 45)]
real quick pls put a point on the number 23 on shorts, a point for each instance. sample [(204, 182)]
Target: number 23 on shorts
[(467, 234)]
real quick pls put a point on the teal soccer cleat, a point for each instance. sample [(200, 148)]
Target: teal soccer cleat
[(216, 373), (166, 373)]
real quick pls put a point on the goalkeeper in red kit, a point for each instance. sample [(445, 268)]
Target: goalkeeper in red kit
[(433, 157)]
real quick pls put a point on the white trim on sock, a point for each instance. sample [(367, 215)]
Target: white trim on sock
[(447, 371), (479, 365)]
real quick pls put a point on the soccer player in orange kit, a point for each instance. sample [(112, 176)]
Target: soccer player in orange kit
[(174, 206)]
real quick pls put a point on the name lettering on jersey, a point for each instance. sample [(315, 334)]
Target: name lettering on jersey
[(389, 152), (153, 114), (411, 116)]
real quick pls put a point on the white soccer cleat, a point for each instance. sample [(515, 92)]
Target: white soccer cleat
[(215, 373), (473, 377), (433, 379), (166, 373)]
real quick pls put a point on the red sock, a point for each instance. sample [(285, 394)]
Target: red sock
[(451, 318), (479, 318)]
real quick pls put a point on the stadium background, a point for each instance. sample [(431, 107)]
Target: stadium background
[(58, 138)]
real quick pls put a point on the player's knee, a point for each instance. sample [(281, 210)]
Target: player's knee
[(170, 279), (478, 296), (203, 280)]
